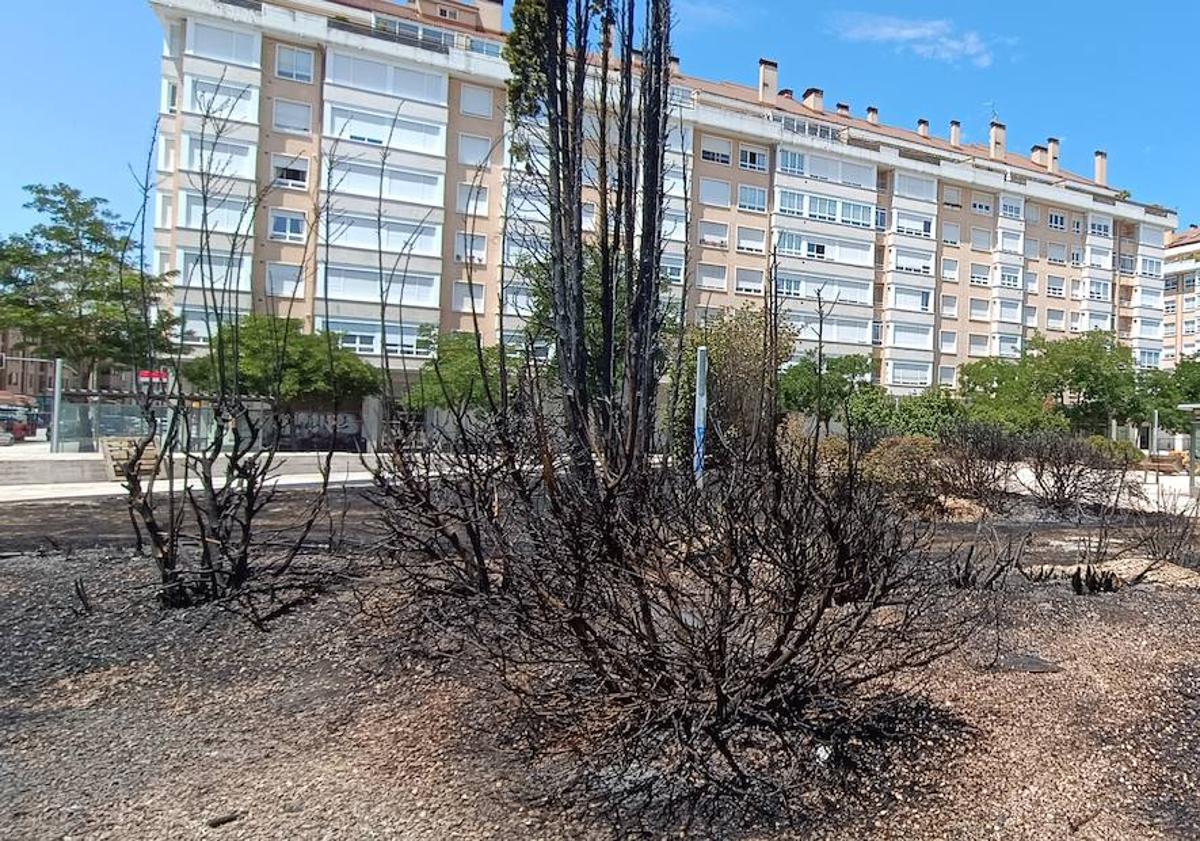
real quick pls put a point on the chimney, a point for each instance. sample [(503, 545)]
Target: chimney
[(768, 81), (674, 65), (814, 98), (872, 115), (786, 93), (843, 109), (1052, 155), (1040, 156), (491, 13), (1101, 176), (996, 137), (923, 127), (955, 133)]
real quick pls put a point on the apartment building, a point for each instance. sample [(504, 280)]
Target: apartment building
[(920, 251), (1181, 268)]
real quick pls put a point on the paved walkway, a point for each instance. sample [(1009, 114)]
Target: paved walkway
[(87, 490)]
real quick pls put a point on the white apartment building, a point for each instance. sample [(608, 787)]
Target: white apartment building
[(924, 252), (1181, 268)]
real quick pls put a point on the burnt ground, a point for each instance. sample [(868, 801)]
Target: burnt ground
[(130, 722)]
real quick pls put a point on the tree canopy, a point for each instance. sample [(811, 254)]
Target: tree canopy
[(275, 358), (823, 390), (70, 286), (455, 378)]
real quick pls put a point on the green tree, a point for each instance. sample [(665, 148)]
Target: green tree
[(1092, 379), (69, 286), (525, 52), (276, 359), (824, 397), (1164, 391), (1007, 393), (456, 377)]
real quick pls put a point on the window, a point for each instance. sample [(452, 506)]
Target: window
[(913, 224), (977, 345), (1033, 213), (470, 248), (290, 171), (223, 215), (1010, 242), (293, 117), (858, 215), (294, 63), (915, 336), (981, 204), (714, 233), (949, 269), (1031, 282), (952, 197), (1010, 277), (751, 240), (981, 239), (1031, 316), (171, 104), (914, 262), (749, 281), (1009, 311), (475, 101), (670, 266), (1152, 267), (715, 150), (1170, 305), (287, 226), (1055, 319), (1148, 358), (354, 71), (379, 129), (1189, 326), (1008, 345), (711, 277), (881, 219), (951, 233), (1056, 220), (916, 300), (474, 151), (822, 208), (911, 374), (915, 187), (1076, 256), (223, 100), (1056, 252), (791, 203), (752, 158), (394, 285), (1077, 289), (1189, 303), (1010, 207), (210, 271), (394, 236), (949, 306), (285, 280), (946, 375), (978, 309), (223, 158), (1099, 258), (752, 198), (791, 162), (1056, 287), (221, 44), (980, 274), (1032, 249), (816, 250), (949, 341), (472, 199), (714, 193), (1076, 225), (1100, 226), (406, 185)]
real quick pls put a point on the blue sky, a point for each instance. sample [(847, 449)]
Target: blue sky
[(79, 80)]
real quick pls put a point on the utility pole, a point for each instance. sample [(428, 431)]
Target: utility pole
[(56, 411)]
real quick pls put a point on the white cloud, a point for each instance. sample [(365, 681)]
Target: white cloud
[(939, 40)]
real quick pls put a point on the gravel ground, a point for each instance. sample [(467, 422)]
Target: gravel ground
[(127, 722)]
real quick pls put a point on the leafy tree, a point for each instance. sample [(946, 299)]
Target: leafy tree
[(826, 396), (275, 358), (1164, 391), (1092, 379), (1006, 393), (737, 366), (525, 52), (927, 414), (68, 286), (454, 378)]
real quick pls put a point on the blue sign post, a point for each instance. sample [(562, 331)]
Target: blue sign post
[(701, 415)]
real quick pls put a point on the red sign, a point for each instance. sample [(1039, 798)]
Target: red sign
[(152, 376)]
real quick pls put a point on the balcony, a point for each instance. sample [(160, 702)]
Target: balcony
[(252, 5), (405, 38)]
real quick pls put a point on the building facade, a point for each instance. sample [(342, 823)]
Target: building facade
[(1181, 268), (371, 136)]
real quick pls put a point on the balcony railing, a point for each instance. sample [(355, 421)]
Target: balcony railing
[(435, 46), (252, 5)]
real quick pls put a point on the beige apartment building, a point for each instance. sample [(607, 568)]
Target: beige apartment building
[(1181, 268), (925, 252)]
